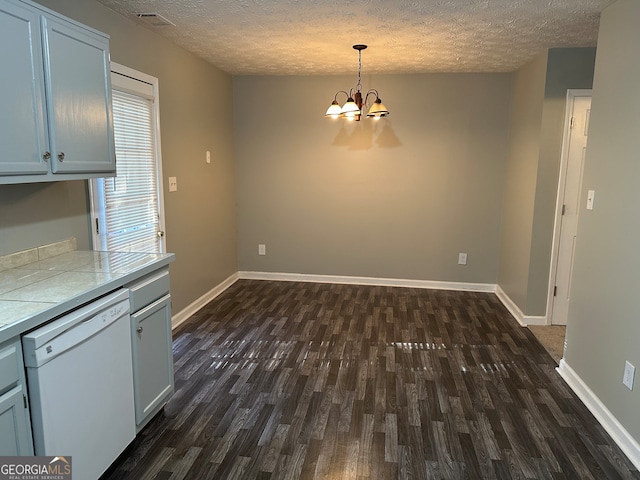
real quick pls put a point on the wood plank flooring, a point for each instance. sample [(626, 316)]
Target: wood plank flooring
[(285, 380)]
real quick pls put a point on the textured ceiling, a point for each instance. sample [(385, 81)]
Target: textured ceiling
[(304, 37)]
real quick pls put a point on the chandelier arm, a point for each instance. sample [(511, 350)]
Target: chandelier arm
[(371, 91), (335, 97)]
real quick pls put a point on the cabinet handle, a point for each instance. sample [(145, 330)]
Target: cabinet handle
[(46, 156), (139, 329), (61, 156)]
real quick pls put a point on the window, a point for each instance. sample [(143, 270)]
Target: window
[(127, 211)]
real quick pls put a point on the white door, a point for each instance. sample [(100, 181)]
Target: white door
[(127, 210), (578, 111)]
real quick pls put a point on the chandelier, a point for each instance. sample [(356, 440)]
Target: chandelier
[(352, 109)]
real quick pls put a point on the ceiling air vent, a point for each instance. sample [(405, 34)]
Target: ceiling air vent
[(154, 20)]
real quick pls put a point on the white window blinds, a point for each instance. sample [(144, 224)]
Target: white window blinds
[(127, 212)]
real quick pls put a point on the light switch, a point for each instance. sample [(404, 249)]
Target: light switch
[(208, 157), (173, 184), (590, 196), (629, 373)]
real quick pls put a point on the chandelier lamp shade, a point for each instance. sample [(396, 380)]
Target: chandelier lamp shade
[(356, 102)]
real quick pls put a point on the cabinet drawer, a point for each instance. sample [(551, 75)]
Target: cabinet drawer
[(148, 290), (9, 366)]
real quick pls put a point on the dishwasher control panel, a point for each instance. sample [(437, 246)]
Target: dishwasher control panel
[(77, 326)]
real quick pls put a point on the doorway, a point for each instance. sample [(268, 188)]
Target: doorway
[(127, 210), (577, 114)]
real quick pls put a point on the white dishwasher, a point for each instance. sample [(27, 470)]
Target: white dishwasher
[(80, 379)]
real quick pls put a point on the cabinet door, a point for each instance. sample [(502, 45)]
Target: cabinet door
[(22, 133), (152, 358), (78, 98), (14, 434)]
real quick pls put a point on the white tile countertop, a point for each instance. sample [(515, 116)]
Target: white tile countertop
[(35, 288)]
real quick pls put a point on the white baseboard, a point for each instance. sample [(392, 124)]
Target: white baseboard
[(383, 282), (619, 434), (521, 318), (192, 308)]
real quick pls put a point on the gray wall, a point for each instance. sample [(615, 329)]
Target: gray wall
[(200, 216), (533, 169), (604, 317), (520, 185), (40, 213), (395, 198)]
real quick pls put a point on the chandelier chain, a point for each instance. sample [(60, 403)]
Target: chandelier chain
[(359, 85)]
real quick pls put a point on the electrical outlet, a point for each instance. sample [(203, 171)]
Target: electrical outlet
[(262, 249), (629, 373), (462, 259)]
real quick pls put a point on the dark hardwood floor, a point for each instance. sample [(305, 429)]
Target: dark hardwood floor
[(300, 380)]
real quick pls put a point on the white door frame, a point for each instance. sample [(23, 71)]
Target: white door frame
[(569, 108)]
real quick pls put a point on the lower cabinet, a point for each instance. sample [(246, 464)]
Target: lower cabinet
[(151, 346), (152, 358), (15, 427)]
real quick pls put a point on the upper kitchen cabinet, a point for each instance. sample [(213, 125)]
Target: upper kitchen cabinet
[(22, 129), (55, 97)]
